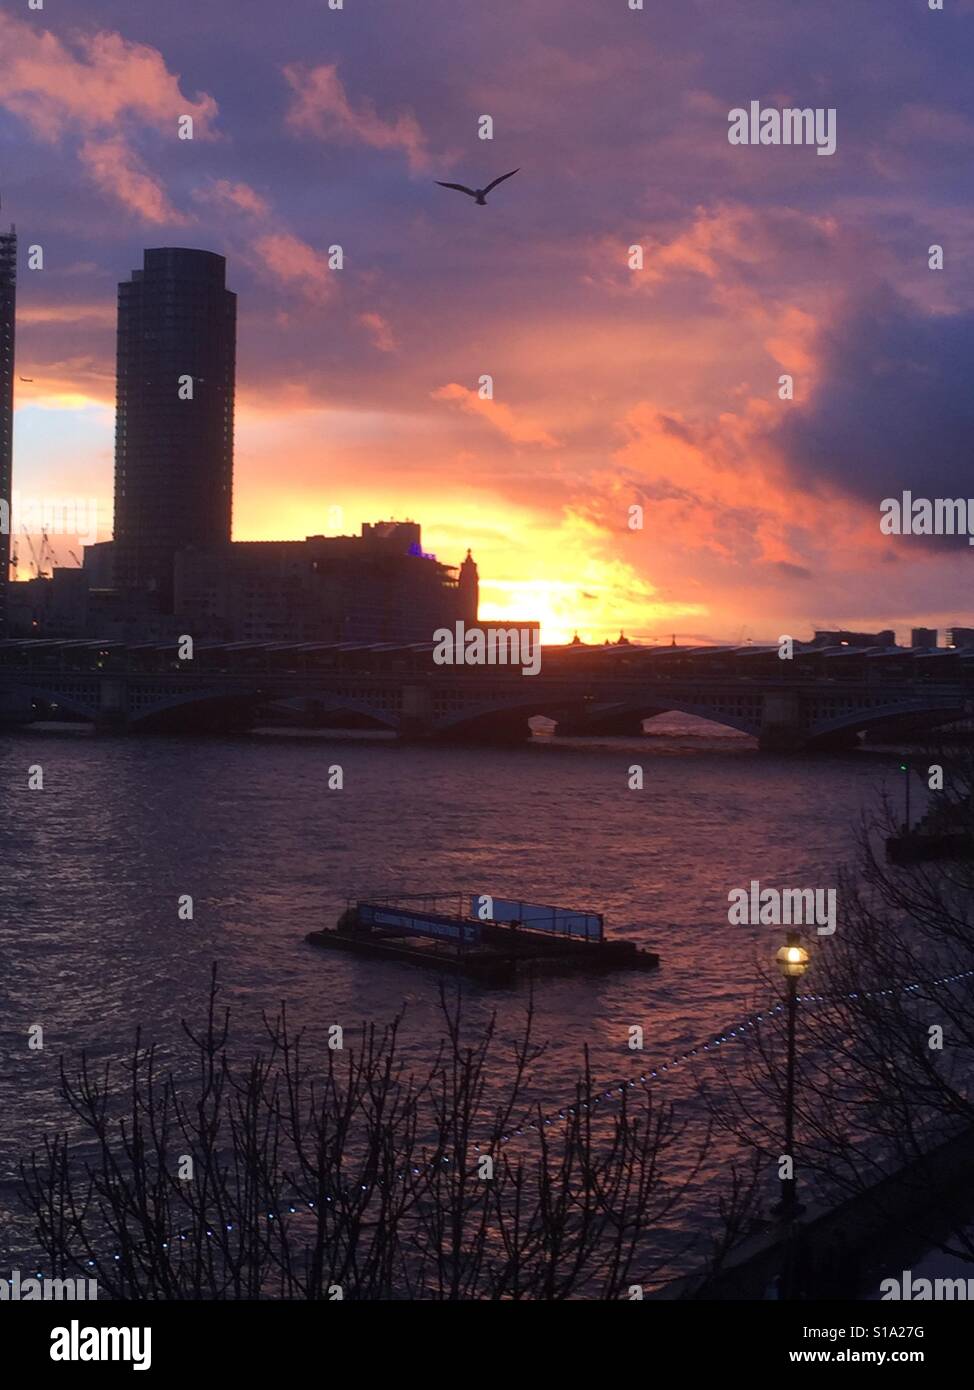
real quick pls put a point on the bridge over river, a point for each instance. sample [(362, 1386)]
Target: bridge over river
[(821, 697)]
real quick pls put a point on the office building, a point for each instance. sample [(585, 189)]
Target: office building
[(174, 419), (376, 587)]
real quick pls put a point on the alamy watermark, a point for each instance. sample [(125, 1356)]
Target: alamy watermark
[(16, 1289), (783, 907), (793, 125), (490, 646), (911, 1290), (56, 516), (924, 516), (77, 1343)]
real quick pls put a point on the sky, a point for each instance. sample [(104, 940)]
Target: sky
[(614, 387)]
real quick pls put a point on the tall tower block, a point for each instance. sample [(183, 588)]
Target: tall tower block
[(8, 307), (177, 332)]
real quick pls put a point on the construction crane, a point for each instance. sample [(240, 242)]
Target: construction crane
[(33, 556), (47, 550)]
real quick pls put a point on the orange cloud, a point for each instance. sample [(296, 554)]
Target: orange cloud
[(66, 313), (497, 414), (74, 381), (320, 106), (723, 243)]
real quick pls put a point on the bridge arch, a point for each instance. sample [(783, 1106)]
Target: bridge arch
[(873, 718), (499, 719), (743, 723), (82, 702), (384, 713), (501, 712)]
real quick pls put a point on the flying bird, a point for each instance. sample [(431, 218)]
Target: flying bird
[(27, 378), (478, 194)]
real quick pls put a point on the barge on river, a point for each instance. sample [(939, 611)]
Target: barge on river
[(492, 940)]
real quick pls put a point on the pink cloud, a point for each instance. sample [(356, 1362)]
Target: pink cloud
[(88, 89), (497, 414), (380, 331), (118, 171), (294, 262), (320, 106), (57, 91), (234, 195)]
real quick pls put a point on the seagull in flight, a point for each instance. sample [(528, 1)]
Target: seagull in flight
[(478, 194), (27, 378)]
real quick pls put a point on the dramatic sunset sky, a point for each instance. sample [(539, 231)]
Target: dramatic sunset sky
[(358, 389)]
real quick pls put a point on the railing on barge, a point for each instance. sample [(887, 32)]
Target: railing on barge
[(461, 917)]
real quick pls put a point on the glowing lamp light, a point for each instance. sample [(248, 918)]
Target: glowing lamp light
[(792, 959)]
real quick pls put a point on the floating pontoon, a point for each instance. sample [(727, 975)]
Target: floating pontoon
[(484, 937)]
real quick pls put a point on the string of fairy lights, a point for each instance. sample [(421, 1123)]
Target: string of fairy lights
[(602, 1096), (618, 1088)]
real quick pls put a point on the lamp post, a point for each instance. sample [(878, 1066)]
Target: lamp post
[(792, 960), (905, 769)]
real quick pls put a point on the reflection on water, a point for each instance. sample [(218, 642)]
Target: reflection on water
[(94, 865)]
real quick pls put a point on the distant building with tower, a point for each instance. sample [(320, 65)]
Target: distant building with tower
[(468, 586), (8, 309)]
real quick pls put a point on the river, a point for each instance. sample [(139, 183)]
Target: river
[(94, 865)]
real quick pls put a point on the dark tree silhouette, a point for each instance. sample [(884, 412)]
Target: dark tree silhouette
[(350, 1175)]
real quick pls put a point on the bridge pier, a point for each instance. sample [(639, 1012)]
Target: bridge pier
[(500, 727), (112, 716), (416, 712), (16, 706), (782, 729)]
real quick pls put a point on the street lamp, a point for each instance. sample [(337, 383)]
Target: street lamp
[(792, 960)]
